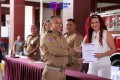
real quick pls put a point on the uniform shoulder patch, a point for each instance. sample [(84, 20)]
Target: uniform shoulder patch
[(50, 39)]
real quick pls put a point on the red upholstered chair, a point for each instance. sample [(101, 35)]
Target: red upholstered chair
[(115, 58), (117, 43)]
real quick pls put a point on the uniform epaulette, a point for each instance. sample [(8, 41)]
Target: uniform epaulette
[(29, 35), (49, 31)]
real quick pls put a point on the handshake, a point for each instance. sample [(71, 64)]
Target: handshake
[(77, 49)]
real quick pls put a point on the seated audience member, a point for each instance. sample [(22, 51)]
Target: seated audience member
[(18, 46)]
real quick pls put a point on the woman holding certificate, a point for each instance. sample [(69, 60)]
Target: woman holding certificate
[(96, 33)]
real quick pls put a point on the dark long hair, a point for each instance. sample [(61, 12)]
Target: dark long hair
[(89, 29)]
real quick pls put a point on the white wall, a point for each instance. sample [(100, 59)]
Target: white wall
[(99, 5), (5, 29), (47, 13), (67, 13), (28, 20)]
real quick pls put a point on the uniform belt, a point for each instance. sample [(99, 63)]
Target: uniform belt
[(60, 55), (54, 68)]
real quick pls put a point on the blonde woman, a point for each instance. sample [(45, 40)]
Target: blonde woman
[(46, 26)]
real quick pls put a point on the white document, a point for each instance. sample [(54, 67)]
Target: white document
[(88, 52)]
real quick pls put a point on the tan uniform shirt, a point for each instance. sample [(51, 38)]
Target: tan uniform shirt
[(55, 50), (74, 39), (30, 44), (55, 54)]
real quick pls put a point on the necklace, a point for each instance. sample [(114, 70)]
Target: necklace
[(95, 36)]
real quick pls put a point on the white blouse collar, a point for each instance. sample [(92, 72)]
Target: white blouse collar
[(95, 35)]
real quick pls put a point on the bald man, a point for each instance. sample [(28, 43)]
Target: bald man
[(31, 47)]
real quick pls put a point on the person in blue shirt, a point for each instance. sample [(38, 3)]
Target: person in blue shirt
[(2, 49)]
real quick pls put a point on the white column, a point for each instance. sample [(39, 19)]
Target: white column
[(41, 15), (67, 13), (28, 20)]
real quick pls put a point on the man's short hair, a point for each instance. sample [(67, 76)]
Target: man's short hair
[(70, 19), (33, 25), (56, 16)]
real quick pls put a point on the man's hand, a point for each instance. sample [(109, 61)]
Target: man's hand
[(29, 54), (77, 49), (13, 55), (80, 60)]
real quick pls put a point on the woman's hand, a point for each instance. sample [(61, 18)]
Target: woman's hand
[(99, 55)]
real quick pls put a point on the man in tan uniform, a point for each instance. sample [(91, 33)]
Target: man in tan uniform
[(74, 39), (31, 47), (55, 52)]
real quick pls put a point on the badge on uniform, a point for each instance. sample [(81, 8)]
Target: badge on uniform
[(32, 41), (50, 39)]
